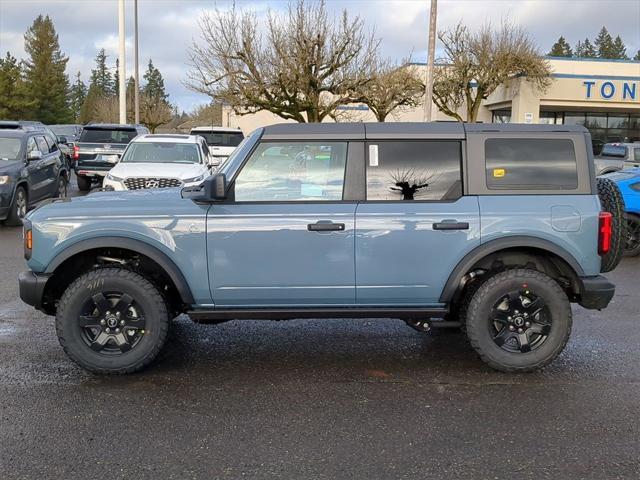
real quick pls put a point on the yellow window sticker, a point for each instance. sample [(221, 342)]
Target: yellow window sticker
[(498, 172)]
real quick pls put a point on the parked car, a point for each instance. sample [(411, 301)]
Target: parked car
[(68, 132), (617, 156), (61, 141), (494, 227), (628, 182), (222, 141), (31, 169), (160, 161), (99, 148)]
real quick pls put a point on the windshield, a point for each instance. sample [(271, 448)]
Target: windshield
[(616, 151), (161, 152), (106, 135), (63, 129), (9, 149), (221, 139)]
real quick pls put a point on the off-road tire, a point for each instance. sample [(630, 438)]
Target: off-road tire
[(478, 307), (632, 225), (15, 218), (105, 280), (612, 202), (84, 183)]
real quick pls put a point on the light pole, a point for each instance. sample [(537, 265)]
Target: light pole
[(136, 79), (122, 90), (428, 94)]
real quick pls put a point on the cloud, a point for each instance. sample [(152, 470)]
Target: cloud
[(168, 27)]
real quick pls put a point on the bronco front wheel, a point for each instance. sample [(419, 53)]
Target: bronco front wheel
[(112, 320), (518, 320)]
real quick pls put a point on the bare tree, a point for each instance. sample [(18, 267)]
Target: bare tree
[(154, 111), (475, 64), (408, 182), (301, 68), (391, 87)]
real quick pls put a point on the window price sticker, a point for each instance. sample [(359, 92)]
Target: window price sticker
[(373, 155)]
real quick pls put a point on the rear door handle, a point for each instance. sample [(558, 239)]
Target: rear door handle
[(451, 225), (325, 227)]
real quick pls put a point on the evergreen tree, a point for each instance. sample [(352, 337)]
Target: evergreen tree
[(77, 96), (585, 50), (115, 90), (14, 100), (100, 76), (619, 49), (154, 87), (604, 44), (561, 49), (89, 108), (46, 80), (637, 57)]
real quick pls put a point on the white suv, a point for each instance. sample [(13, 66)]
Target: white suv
[(222, 141), (160, 161)]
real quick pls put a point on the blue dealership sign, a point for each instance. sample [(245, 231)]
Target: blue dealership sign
[(611, 91)]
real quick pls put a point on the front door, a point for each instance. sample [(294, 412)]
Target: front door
[(285, 237), (415, 225)]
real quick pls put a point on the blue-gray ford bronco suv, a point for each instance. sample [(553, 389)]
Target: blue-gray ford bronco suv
[(496, 229)]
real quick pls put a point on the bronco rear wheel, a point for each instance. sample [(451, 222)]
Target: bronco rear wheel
[(112, 320), (518, 320)]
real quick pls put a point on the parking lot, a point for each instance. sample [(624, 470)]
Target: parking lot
[(319, 399)]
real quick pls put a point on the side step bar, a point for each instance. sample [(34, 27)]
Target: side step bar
[(215, 315)]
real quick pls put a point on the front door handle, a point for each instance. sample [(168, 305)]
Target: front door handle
[(325, 227), (451, 225)]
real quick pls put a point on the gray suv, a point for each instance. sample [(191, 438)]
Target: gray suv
[(493, 228)]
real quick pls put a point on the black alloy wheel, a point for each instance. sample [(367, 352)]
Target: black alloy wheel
[(632, 236), (520, 321), (112, 323), (62, 187)]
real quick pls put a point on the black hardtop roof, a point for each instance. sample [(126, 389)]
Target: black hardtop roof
[(406, 130), (112, 126)]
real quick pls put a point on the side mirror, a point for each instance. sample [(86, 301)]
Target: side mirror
[(63, 139), (213, 189), (34, 155)]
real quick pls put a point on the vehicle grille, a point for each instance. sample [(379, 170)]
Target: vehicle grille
[(141, 183)]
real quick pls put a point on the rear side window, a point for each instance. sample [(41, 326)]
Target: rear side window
[(414, 170), (530, 164), (105, 135)]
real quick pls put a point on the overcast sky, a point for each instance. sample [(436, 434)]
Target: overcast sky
[(168, 27)]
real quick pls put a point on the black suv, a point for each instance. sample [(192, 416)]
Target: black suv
[(99, 148), (32, 168)]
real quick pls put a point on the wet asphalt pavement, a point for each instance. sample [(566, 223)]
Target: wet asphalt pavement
[(320, 399)]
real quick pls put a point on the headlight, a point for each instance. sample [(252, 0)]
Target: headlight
[(113, 178), (195, 179), (4, 179)]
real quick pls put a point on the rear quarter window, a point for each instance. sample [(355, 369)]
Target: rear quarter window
[(530, 164)]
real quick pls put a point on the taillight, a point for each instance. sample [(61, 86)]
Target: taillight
[(76, 152), (605, 230)]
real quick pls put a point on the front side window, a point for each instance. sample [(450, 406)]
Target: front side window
[(42, 145), (32, 146), (293, 171), (414, 170), (530, 164)]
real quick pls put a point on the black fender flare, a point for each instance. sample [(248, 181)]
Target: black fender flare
[(139, 246), (481, 251)]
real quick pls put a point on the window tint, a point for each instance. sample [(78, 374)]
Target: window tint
[(420, 170), (300, 171), (525, 163), (42, 145), (220, 139), (105, 135)]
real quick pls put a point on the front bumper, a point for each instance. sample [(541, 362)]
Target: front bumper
[(31, 285), (596, 292)]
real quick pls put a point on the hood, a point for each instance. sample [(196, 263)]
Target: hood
[(112, 204), (9, 167), (158, 170)]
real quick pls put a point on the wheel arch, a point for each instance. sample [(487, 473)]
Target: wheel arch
[(162, 260), (528, 247)]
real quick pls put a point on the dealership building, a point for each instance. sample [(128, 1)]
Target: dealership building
[(602, 95)]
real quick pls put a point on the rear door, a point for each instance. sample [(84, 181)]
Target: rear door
[(415, 225), (46, 169)]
